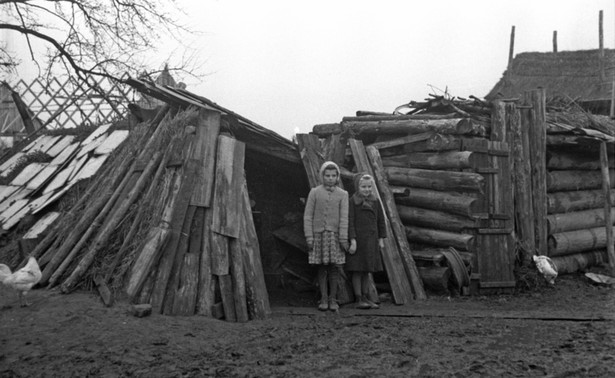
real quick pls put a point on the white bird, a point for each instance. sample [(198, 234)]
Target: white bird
[(21, 280), (546, 267)]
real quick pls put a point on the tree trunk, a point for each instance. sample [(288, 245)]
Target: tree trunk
[(434, 160), (455, 126), (434, 219), (566, 243), (558, 160), (577, 220), (579, 261), (436, 180), (565, 202), (558, 181), (439, 238), (449, 202)]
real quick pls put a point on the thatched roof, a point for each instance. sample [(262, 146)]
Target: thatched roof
[(572, 74)]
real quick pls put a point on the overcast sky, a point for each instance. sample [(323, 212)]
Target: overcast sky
[(289, 65)]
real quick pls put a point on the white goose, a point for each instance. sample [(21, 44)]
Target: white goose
[(546, 267)]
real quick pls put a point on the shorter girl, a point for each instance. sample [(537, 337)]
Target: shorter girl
[(366, 230), (325, 223)]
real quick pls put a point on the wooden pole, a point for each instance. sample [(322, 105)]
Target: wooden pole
[(601, 44), (511, 50), (554, 41), (606, 185), (538, 146), (396, 224)]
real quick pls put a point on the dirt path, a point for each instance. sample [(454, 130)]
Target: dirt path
[(568, 331)]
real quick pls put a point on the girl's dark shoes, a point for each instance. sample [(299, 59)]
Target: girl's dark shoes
[(362, 305), (372, 305)]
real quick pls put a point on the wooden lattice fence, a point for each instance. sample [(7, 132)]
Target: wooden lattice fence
[(68, 102)]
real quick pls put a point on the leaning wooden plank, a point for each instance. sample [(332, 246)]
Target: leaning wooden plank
[(162, 169), (239, 283), (227, 191), (396, 224), (156, 242), (311, 155), (28, 173), (59, 180), (41, 225), (8, 165), (110, 224), (36, 203), (176, 271), (394, 266), (42, 177), (188, 175), (184, 302), (608, 211), (208, 128), (256, 291), (146, 257), (90, 221), (60, 146), (226, 291), (206, 297), (66, 154), (219, 245), (111, 143)]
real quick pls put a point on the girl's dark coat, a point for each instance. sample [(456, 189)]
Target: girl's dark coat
[(366, 225)]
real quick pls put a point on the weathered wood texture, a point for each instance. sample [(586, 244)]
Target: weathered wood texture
[(522, 181), (400, 141), (393, 262), (564, 202), (396, 224), (311, 155), (207, 130), (440, 238), (569, 242), (205, 299), (606, 185), (538, 147), (579, 261), (559, 181), (450, 202), (436, 180), (433, 160), (434, 219), (560, 160), (455, 126), (577, 220), (436, 142), (256, 291), (227, 190)]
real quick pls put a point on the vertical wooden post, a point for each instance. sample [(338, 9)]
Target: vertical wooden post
[(522, 179), (554, 41), (601, 44), (511, 50), (606, 186), (538, 146)]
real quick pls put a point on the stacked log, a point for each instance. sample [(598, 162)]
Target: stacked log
[(190, 247), (576, 222)]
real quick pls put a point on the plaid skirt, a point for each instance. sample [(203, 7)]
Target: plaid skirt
[(327, 249)]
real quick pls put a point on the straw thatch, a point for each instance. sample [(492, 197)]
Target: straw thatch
[(583, 75)]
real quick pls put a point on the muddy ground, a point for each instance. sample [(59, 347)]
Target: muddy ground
[(565, 331)]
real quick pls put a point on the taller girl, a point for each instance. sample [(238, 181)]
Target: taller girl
[(325, 223)]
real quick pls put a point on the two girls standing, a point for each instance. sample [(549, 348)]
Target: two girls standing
[(328, 222)]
